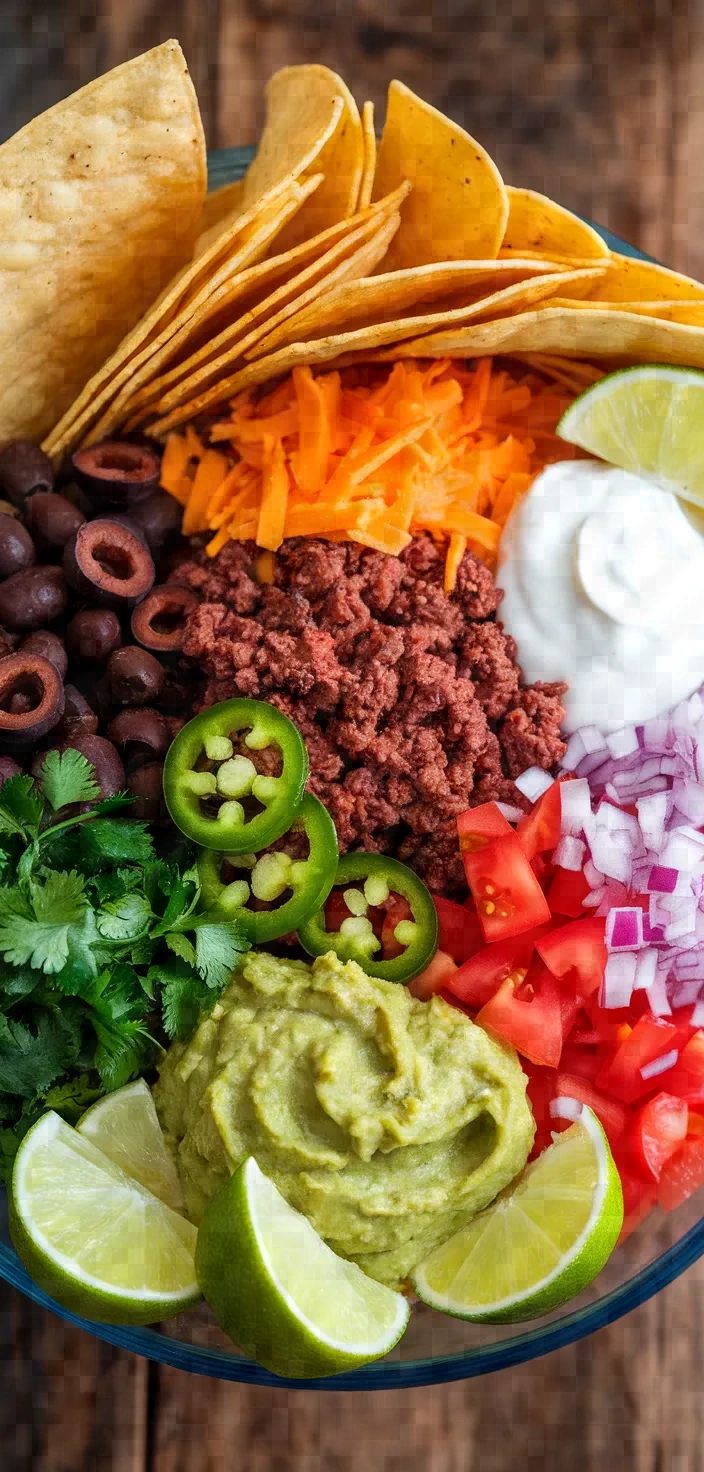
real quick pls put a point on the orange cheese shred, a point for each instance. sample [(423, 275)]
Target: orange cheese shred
[(375, 454)]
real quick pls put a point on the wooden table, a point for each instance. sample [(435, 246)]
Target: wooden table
[(601, 103)]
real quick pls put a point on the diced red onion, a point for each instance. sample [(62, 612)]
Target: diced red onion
[(682, 914), (684, 993), (511, 814), (624, 929), (619, 978), (575, 753), (660, 1065), (678, 852), (657, 996), (697, 1018), (652, 816), (624, 742), (565, 1108), (662, 880), (576, 805), (610, 857), (689, 798), (569, 853), (646, 970), (533, 783), (657, 734)]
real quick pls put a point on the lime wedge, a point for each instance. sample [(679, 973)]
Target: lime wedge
[(94, 1238), (648, 419), (125, 1127), (280, 1292), (540, 1243)]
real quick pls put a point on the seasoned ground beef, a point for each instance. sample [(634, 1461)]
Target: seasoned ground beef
[(410, 701)]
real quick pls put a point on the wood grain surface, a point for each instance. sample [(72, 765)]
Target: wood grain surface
[(601, 104)]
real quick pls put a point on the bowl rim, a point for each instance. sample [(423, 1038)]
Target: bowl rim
[(224, 166)]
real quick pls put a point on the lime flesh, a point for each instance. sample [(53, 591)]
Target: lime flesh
[(648, 419), (540, 1243), (93, 1237), (124, 1125), (280, 1292)]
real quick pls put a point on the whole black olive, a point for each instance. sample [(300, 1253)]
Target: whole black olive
[(24, 469), (78, 718), (117, 471), (49, 645), (17, 549), (33, 597), (134, 676), (140, 735), (108, 563), (159, 516), (93, 634), (146, 785), (52, 519), (109, 771), (8, 769)]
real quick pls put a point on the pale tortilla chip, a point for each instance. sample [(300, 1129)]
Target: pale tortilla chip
[(143, 366), (99, 204), (538, 223), (224, 205), (352, 256), (571, 332), (690, 313), (367, 340), (631, 280), (458, 207), (384, 298), (367, 182), (312, 125)]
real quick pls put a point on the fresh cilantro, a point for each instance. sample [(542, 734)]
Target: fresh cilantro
[(102, 946), (66, 777)]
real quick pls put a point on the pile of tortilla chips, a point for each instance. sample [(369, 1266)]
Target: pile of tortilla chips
[(335, 250)]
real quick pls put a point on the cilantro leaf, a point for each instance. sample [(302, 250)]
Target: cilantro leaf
[(66, 777), (119, 839), (60, 899), (219, 945), (125, 919), (181, 946), (21, 806), (112, 804), (38, 934), (184, 997), (30, 1061), (71, 1098)]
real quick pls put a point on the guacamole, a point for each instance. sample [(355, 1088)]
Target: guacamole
[(387, 1121)]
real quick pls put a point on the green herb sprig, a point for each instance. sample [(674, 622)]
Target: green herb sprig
[(102, 945)]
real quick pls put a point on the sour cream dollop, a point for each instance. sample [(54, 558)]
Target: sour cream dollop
[(603, 579)]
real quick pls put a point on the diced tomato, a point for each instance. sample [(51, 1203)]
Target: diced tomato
[(612, 1115), (479, 826), (621, 1074), (539, 831), (639, 1198), (438, 973), (655, 1133), (336, 910), (505, 890), (695, 1125), (686, 1079), (460, 931), (540, 1089), (568, 892), (397, 909), (532, 1023), (579, 947), (543, 870), (480, 976), (580, 1061), (682, 1176)]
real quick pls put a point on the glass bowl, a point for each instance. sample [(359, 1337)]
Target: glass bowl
[(435, 1348)]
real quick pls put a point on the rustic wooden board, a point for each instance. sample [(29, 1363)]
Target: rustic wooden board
[(601, 105)]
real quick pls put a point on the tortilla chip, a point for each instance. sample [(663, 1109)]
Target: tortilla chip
[(367, 181), (366, 339), (348, 259), (312, 125), (360, 261), (631, 280), (236, 243), (384, 298), (223, 206), (458, 208), (144, 365), (99, 204), (573, 333), (538, 223), (690, 313)]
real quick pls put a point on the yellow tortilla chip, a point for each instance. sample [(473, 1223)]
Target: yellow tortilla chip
[(632, 280), (312, 125), (147, 363), (458, 208), (384, 298), (367, 340), (223, 205), (99, 204), (690, 313), (229, 249), (571, 332), (538, 223), (353, 256), (367, 181)]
